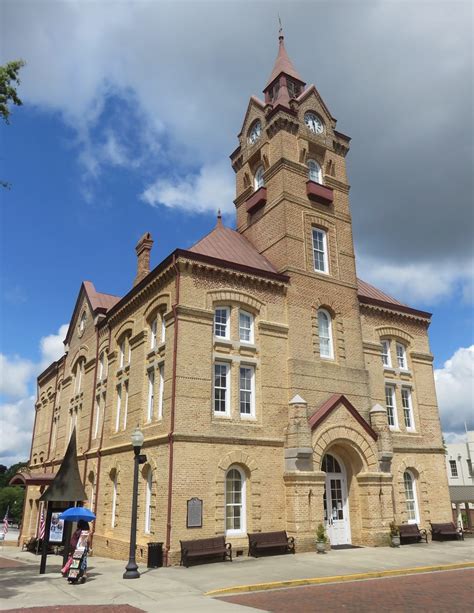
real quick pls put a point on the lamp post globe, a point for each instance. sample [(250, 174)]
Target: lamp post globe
[(131, 570)]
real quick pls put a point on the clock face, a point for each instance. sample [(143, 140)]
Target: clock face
[(314, 123), (255, 132)]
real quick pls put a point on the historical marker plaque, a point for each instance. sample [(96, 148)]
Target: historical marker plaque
[(194, 516)]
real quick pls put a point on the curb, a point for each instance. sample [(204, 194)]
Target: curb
[(238, 589)]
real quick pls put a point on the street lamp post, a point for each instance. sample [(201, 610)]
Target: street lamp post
[(131, 570)]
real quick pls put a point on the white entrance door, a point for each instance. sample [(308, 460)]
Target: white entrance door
[(336, 506)]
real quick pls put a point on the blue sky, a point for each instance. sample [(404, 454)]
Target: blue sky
[(117, 139)]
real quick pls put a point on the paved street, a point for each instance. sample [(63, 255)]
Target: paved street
[(179, 589), (436, 592)]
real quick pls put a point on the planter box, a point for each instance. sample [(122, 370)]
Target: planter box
[(319, 193), (256, 200)]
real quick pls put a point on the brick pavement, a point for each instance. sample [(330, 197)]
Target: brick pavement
[(436, 592), (122, 608), (9, 563)]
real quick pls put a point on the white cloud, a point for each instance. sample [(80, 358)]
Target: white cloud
[(454, 437), (16, 424), (52, 346), (15, 373), (419, 282), (455, 391), (212, 188)]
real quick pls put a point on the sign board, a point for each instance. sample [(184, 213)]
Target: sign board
[(194, 515), (57, 528)]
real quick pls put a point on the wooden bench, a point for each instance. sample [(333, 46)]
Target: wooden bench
[(261, 542), (410, 533), (446, 531), (205, 548)]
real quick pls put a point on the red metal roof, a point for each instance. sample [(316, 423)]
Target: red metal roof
[(366, 290), (26, 478), (283, 64), (227, 244), (99, 300)]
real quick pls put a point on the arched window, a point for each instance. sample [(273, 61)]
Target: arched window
[(314, 171), (235, 502), (410, 498), (259, 180), (102, 374), (330, 464), (78, 375), (325, 335), (149, 485)]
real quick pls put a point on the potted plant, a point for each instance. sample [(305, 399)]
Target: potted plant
[(321, 539), (394, 535)]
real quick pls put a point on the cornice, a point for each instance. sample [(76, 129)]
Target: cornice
[(394, 309)]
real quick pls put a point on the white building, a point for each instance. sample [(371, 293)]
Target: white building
[(459, 461)]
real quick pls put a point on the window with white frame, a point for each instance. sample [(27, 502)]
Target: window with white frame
[(151, 395), (326, 349), (221, 322), (245, 327), (153, 332), (118, 408), (161, 391), (114, 498), (125, 406), (101, 373), (122, 353), (314, 171), (235, 503), (386, 357), (97, 417), (454, 468), (78, 375), (259, 181), (247, 391), (410, 498), (221, 388), (407, 408), (320, 252), (401, 356), (149, 485), (391, 406)]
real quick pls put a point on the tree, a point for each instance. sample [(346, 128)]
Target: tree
[(9, 81), (11, 500), (6, 475)]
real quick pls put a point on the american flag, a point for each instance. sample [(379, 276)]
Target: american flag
[(5, 522), (42, 525)]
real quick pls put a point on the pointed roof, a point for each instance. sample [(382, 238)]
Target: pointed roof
[(283, 64), (67, 484), (226, 244), (368, 294), (328, 407)]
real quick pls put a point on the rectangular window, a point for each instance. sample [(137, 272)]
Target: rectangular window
[(401, 357), (119, 407), (391, 406), (114, 500), (247, 391), (101, 367), (320, 254), (221, 388), (151, 395), (454, 468), (221, 322), (163, 327), (125, 407), (407, 408), (161, 391), (245, 327), (386, 357)]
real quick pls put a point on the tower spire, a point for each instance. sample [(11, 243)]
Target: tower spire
[(284, 82)]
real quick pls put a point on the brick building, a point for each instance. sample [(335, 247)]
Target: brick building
[(269, 381)]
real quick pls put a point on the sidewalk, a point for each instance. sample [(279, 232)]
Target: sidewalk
[(181, 589)]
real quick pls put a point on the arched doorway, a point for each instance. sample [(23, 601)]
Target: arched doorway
[(336, 503)]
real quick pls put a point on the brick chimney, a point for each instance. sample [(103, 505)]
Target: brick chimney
[(143, 249)]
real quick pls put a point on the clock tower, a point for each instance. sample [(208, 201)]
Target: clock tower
[(293, 206)]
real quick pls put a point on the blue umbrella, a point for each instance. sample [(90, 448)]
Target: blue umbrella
[(77, 513)]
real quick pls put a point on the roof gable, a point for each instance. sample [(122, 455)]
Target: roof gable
[(332, 403)]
